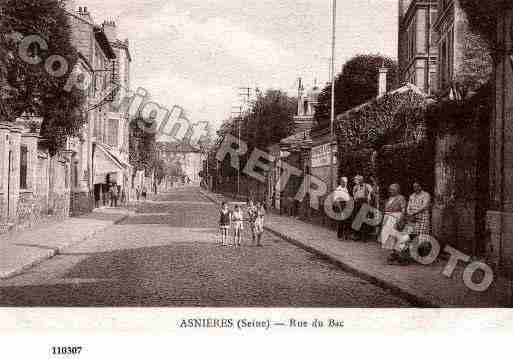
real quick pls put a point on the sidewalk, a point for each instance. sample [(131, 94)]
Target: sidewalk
[(22, 250), (424, 286)]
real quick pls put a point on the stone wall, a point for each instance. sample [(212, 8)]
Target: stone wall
[(59, 196)]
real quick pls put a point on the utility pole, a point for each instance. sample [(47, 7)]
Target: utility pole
[(245, 96), (237, 117), (332, 123), (429, 50)]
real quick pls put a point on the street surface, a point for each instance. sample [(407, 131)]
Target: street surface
[(167, 255)]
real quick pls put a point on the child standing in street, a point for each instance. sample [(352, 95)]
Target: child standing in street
[(224, 223), (237, 218), (259, 224), (252, 216)]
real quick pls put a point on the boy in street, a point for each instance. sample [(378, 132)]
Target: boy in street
[(252, 217)]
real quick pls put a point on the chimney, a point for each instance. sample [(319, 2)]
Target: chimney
[(70, 5), (382, 82), (109, 27)]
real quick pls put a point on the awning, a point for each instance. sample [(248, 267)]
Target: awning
[(107, 164)]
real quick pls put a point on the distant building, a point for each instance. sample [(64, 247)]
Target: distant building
[(183, 156), (418, 51)]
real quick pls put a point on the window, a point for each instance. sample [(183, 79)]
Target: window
[(23, 167), (74, 174), (112, 133), (446, 52), (66, 176)]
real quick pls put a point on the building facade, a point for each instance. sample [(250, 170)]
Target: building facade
[(417, 51), (186, 160), (100, 156), (500, 215)]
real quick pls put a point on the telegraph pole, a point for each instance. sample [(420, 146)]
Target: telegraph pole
[(332, 123), (245, 96)]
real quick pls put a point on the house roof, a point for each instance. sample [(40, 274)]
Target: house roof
[(177, 147), (298, 141), (104, 42), (406, 88)]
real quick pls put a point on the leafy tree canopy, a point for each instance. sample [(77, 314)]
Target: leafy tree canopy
[(142, 146), (270, 120), (482, 18), (29, 89), (356, 84)]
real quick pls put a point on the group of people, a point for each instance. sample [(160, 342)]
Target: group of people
[(408, 220), (234, 220), (141, 193), (116, 195)]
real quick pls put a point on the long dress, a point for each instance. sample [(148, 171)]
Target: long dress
[(421, 221), (394, 211)]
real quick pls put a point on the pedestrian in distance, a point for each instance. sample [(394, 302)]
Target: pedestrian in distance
[(144, 193), (259, 223), (224, 223), (113, 191), (238, 226), (123, 196)]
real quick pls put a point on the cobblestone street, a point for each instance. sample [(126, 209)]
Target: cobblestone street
[(166, 255)]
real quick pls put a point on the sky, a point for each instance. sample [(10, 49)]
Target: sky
[(197, 53)]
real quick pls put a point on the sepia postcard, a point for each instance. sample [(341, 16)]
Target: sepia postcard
[(202, 169)]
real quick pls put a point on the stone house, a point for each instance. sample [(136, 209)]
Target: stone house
[(417, 48), (33, 185), (100, 156)]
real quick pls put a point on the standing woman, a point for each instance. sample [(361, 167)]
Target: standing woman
[(375, 202), (224, 223), (419, 215), (259, 224), (341, 198), (361, 196), (237, 219), (394, 216)]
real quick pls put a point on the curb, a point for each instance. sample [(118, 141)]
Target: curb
[(56, 251), (410, 296), (413, 298)]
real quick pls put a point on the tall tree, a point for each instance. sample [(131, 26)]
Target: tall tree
[(356, 84), (142, 146), (29, 88), (482, 18), (270, 119)]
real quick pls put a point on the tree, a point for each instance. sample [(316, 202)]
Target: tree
[(482, 18), (356, 84), (29, 88), (142, 146), (477, 67), (270, 119)]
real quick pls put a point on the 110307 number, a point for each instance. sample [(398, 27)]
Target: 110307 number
[(66, 350)]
